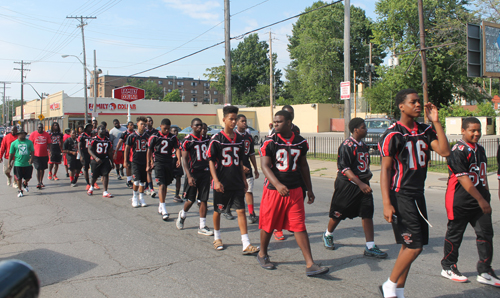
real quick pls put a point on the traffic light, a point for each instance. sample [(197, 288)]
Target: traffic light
[(474, 51)]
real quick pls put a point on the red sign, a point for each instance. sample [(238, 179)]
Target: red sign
[(128, 93), (345, 90), (55, 106)]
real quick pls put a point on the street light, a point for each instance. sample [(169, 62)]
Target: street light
[(84, 84)]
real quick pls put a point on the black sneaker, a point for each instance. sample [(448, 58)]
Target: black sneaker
[(39, 186), (67, 175), (130, 184), (253, 218), (316, 269), (265, 262), (228, 215)]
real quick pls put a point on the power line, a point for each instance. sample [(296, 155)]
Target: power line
[(22, 69)]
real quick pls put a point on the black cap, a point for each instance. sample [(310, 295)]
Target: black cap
[(20, 131)]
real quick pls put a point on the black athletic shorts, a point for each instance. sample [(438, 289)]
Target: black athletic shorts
[(410, 228), (86, 163), (101, 169), (177, 171), (163, 173), (202, 187), (229, 199), (349, 201), (139, 173), (55, 157), (23, 172), (41, 162), (74, 164)]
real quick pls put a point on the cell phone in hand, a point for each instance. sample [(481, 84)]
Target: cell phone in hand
[(395, 218)]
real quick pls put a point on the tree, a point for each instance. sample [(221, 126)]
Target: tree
[(249, 73), (489, 9), (174, 96), (152, 90), (317, 51), (397, 30)]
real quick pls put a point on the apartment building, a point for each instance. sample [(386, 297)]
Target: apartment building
[(190, 89)]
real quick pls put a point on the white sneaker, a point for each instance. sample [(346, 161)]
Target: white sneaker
[(143, 203), (74, 185), (135, 202), (20, 194), (454, 274), (205, 231), (179, 223), (489, 279), (14, 185), (146, 191), (9, 181), (153, 194), (26, 188)]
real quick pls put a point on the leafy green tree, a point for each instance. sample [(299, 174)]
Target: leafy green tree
[(174, 96), (249, 74), (489, 9), (152, 90), (397, 30), (317, 51)]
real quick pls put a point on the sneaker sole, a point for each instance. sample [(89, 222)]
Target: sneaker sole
[(443, 274), (487, 282), (205, 234), (165, 218), (369, 255), (381, 291), (320, 272)]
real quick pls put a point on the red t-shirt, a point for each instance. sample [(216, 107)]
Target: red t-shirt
[(65, 137), (40, 142)]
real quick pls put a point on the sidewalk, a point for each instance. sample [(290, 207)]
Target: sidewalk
[(328, 169)]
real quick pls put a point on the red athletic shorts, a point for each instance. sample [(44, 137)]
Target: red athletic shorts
[(119, 158), (282, 213), (65, 160)]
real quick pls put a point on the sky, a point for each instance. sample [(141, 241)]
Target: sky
[(130, 37)]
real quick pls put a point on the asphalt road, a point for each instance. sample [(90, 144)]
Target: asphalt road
[(83, 246)]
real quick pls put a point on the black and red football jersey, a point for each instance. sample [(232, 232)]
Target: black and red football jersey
[(152, 131), (101, 147), (465, 160), (285, 156), (249, 150), (84, 139), (354, 156), (498, 163), (124, 137), (197, 148), (410, 149), (55, 141), (163, 146), (139, 146), (227, 154)]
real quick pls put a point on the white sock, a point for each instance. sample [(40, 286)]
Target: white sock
[(216, 234), (370, 244), (104, 193), (129, 178), (245, 240), (389, 288), (91, 188), (164, 206), (183, 213), (141, 196), (134, 194), (203, 222), (400, 292), (328, 233)]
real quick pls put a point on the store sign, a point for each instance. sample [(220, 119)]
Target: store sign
[(112, 106), (55, 106), (345, 90), (129, 93)]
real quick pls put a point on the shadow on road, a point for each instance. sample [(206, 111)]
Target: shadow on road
[(53, 267)]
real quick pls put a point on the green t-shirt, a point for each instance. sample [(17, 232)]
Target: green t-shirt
[(22, 151)]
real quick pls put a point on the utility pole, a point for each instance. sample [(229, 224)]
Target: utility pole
[(82, 24), (354, 77), (5, 109), (370, 61), (347, 63), (95, 86), (22, 69), (271, 95), (227, 16), (422, 54)]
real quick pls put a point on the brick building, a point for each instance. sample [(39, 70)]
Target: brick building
[(190, 89)]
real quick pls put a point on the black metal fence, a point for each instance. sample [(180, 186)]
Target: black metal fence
[(327, 148)]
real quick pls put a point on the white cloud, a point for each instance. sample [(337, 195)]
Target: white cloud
[(197, 9), (360, 5)]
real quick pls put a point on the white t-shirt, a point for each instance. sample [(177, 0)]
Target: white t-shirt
[(115, 134)]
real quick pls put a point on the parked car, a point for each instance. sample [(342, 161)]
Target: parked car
[(188, 130), (171, 126), (215, 128), (255, 134), (376, 127)]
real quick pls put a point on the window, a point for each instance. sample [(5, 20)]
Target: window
[(170, 82), (215, 92), (193, 99), (160, 82), (169, 90), (206, 100), (181, 90), (206, 92), (193, 84), (180, 83), (194, 91), (215, 100), (183, 97), (206, 84)]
